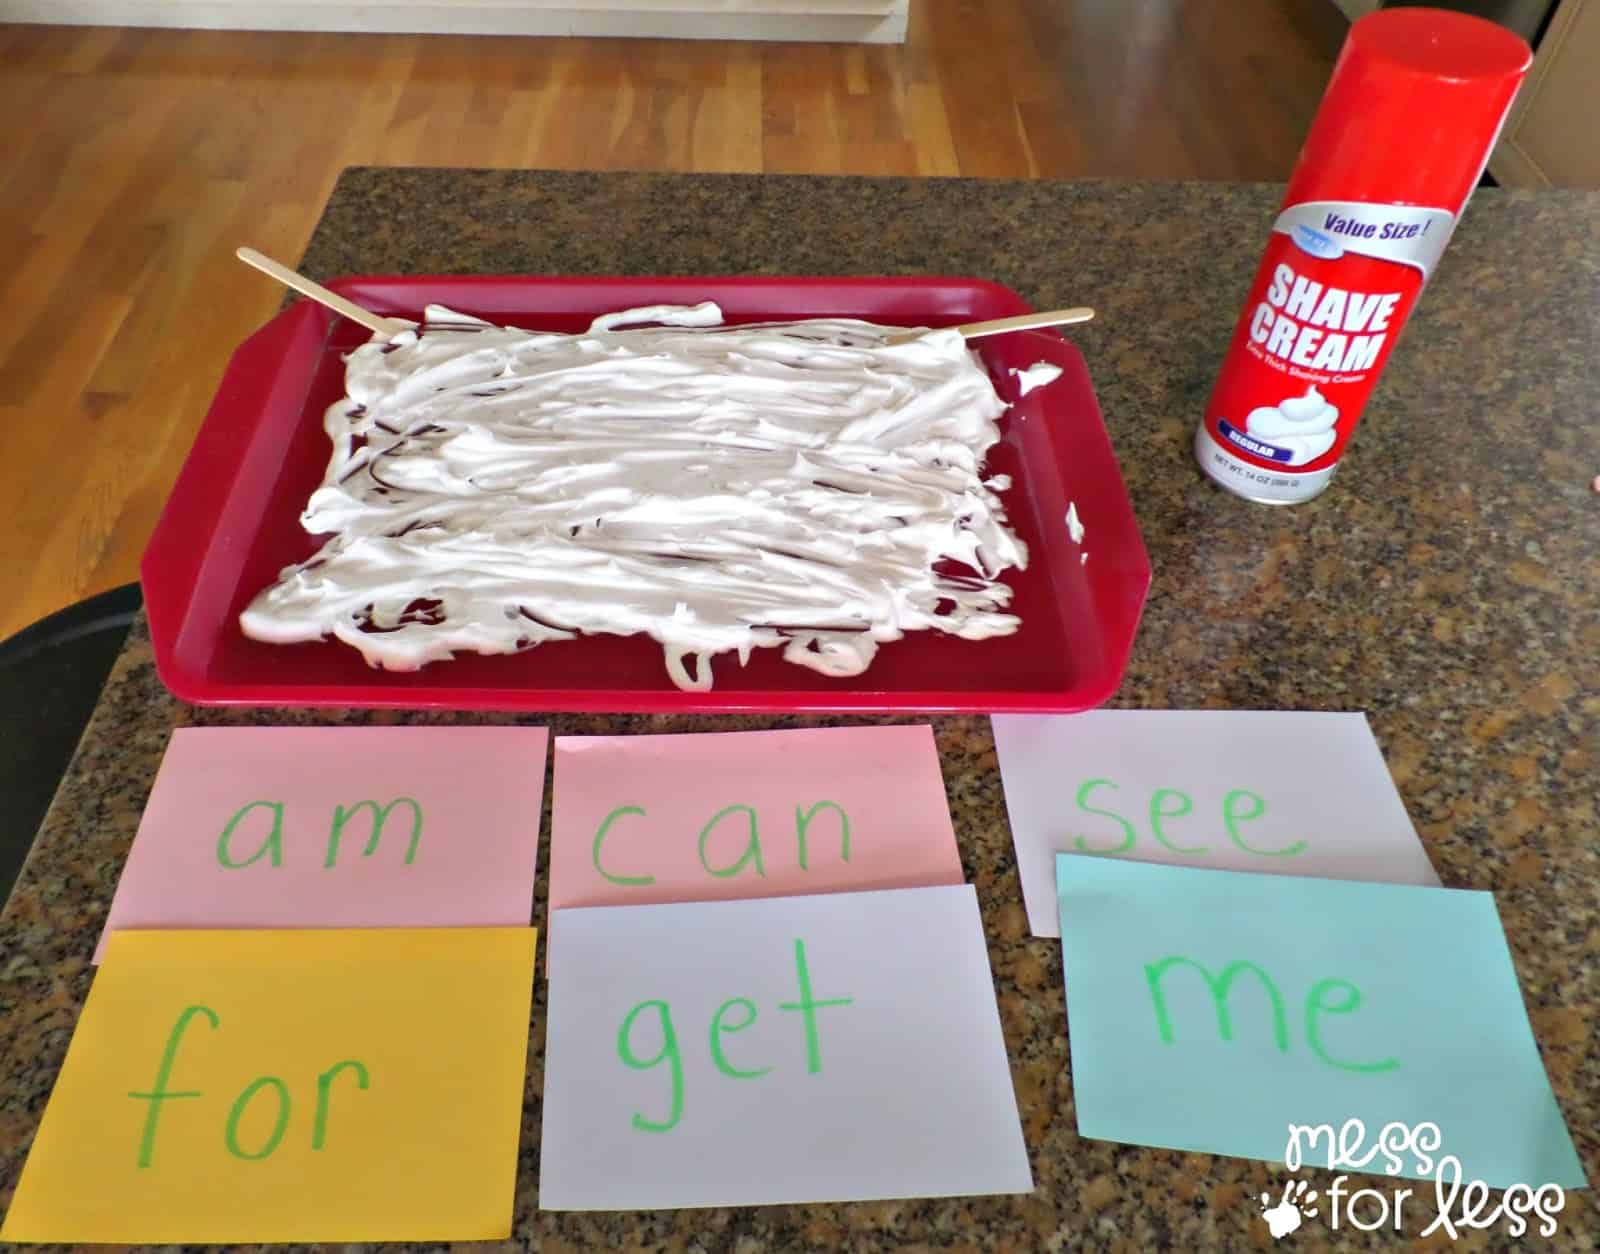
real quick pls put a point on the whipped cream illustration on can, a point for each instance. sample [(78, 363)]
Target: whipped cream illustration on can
[(1299, 429), (1400, 140)]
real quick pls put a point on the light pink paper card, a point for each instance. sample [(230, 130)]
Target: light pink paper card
[(348, 827), (748, 814)]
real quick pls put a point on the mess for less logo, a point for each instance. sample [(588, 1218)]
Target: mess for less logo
[(1368, 1210)]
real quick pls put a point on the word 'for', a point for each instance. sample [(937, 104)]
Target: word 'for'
[(160, 1093)]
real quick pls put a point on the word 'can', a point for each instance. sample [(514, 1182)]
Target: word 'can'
[(1401, 138)]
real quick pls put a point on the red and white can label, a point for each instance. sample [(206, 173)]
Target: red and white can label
[(1336, 284)]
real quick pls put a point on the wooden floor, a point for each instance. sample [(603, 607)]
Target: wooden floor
[(134, 161)]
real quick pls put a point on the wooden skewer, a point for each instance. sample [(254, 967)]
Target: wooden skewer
[(1024, 322), (384, 326)]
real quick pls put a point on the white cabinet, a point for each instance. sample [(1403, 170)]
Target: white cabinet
[(840, 21)]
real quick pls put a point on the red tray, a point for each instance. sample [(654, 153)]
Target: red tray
[(232, 523)]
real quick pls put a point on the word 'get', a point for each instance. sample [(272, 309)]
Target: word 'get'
[(734, 1015)]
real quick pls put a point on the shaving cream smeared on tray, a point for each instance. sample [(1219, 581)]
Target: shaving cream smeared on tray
[(799, 485)]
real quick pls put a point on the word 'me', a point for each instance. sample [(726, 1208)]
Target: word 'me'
[(1325, 997), (159, 1094), (734, 818), (270, 846), (723, 1024), (1239, 806)]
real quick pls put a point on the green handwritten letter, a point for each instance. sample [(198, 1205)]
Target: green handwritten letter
[(271, 847), (1128, 833), (808, 1007), (1234, 813), (600, 838), (319, 1125), (1317, 1002), (230, 1133), (380, 816), (1159, 811), (802, 821), (668, 1054), (752, 849), (158, 1091), (718, 1027)]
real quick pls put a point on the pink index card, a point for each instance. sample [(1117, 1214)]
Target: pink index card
[(337, 827), (748, 814)]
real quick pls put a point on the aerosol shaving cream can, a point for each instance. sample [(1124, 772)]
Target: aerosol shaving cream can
[(1401, 138)]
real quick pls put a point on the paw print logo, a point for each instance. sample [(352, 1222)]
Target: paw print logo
[(1297, 1204)]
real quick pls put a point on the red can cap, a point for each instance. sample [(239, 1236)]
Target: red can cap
[(1412, 111)]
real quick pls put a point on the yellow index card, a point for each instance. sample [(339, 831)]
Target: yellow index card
[(277, 1086)]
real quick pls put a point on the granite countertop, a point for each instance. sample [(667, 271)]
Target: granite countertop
[(1446, 584)]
